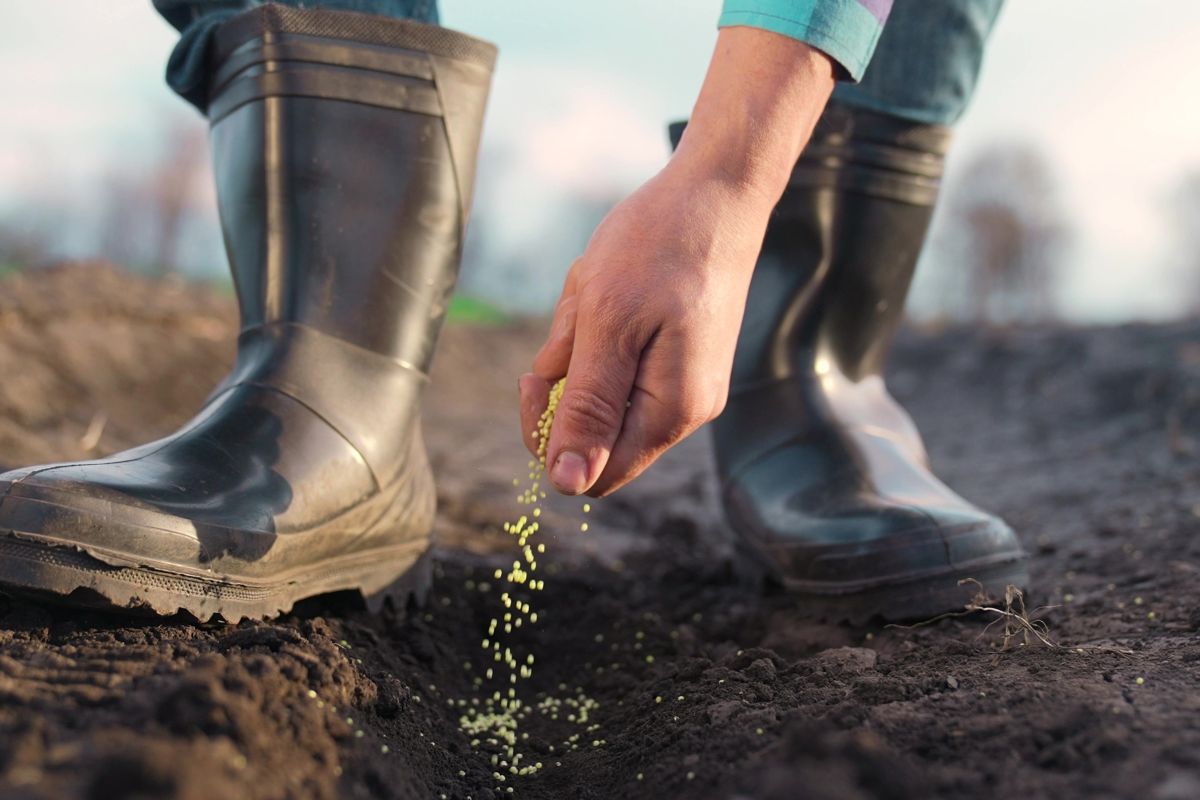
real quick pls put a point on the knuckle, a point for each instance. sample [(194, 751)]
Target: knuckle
[(681, 418), (718, 407), (720, 399), (691, 417), (695, 402), (693, 408)]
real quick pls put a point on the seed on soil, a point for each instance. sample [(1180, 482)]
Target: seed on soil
[(501, 716)]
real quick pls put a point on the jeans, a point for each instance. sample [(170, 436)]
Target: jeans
[(927, 61), (187, 70), (924, 68)]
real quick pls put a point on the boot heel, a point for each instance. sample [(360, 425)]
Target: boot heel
[(407, 593)]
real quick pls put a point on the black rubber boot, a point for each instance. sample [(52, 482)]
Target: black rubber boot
[(822, 472), (344, 148)]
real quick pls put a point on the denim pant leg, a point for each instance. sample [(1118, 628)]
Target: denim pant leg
[(927, 61), (187, 70)]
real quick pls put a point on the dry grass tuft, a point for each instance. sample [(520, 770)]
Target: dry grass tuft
[(1018, 624), (1012, 613)]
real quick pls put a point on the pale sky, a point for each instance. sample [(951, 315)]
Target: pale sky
[(584, 90)]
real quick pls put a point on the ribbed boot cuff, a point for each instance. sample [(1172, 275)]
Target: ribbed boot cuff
[(351, 26)]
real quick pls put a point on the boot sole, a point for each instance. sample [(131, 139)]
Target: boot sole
[(908, 598), (46, 569)]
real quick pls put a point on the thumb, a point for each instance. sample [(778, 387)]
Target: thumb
[(590, 413)]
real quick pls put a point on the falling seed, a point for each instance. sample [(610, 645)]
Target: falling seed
[(499, 716)]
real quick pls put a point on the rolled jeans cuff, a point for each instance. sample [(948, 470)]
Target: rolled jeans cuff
[(197, 20)]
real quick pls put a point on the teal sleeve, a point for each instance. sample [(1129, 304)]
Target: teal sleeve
[(845, 30)]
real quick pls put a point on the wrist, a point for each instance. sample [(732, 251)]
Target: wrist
[(728, 158), (737, 185), (760, 100)]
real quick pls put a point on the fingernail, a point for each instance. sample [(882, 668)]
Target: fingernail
[(569, 473)]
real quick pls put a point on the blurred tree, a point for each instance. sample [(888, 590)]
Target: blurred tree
[(23, 244), (148, 205), (515, 266), (1184, 215), (1008, 232)]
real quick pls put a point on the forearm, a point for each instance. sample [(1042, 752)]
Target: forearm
[(757, 107)]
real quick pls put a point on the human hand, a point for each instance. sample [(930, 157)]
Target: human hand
[(645, 330), (648, 320)]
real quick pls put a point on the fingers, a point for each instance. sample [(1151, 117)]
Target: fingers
[(603, 365), (552, 360), (535, 391), (670, 401)]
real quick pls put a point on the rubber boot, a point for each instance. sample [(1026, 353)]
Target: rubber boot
[(344, 148), (822, 472)]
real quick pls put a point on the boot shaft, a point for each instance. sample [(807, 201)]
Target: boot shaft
[(841, 248), (344, 151), (860, 199)]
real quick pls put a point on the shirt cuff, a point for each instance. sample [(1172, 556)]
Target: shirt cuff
[(845, 30)]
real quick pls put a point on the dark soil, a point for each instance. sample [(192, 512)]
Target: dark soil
[(1087, 441)]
